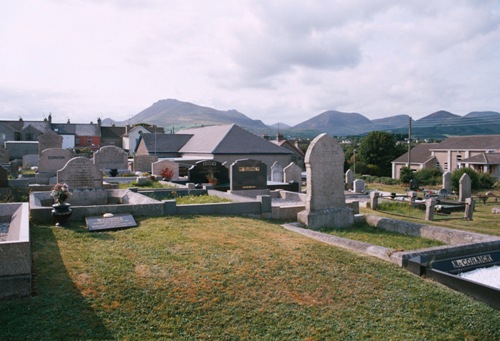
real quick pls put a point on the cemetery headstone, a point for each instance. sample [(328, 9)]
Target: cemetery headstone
[(4, 178), (325, 202), (359, 186), (30, 160), (447, 181), (53, 159), (47, 140), (208, 171), (111, 157), (248, 174), (276, 172), (349, 178), (4, 155), (84, 180), (293, 173), (80, 172), (163, 167), (465, 190), (142, 163), (430, 205), (414, 185)]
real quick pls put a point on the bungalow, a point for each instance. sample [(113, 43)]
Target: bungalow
[(420, 157), (223, 143), (477, 151)]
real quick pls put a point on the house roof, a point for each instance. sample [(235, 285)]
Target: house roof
[(20, 125), (143, 129), (228, 139), (165, 143), (473, 142), (283, 143), (483, 158), (78, 129), (421, 153), (112, 132)]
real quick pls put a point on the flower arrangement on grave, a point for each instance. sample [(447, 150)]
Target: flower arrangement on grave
[(211, 177), (60, 192), (167, 173)]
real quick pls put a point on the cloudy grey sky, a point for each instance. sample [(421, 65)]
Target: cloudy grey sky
[(271, 60)]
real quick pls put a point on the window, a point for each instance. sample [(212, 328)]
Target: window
[(446, 166), (89, 140), (29, 137)]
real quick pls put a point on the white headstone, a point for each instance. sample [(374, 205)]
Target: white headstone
[(276, 172), (465, 190), (349, 177), (158, 167), (293, 172), (358, 186), (447, 181)]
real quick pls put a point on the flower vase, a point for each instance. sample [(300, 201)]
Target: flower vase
[(61, 213)]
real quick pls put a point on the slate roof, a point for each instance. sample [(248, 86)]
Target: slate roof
[(483, 158), (165, 143), (419, 154), (20, 125), (227, 139), (473, 142), (78, 129), (112, 132)]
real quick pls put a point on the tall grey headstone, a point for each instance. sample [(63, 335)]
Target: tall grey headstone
[(349, 178), (276, 172), (158, 167), (465, 189), (49, 139), (447, 181), (325, 202), (111, 157), (293, 172)]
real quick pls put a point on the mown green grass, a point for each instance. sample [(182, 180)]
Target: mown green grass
[(199, 199), (372, 235), (213, 278)]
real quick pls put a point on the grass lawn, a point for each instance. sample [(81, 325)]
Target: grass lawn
[(213, 278), (368, 234)]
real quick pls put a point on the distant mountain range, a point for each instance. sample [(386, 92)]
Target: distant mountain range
[(174, 114)]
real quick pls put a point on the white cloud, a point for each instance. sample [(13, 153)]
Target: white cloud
[(272, 60)]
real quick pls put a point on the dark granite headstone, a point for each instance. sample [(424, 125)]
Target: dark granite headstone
[(4, 155), (208, 171), (4, 181), (248, 174), (115, 222)]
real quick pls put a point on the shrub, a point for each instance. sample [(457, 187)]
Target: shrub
[(457, 174), (429, 176), (406, 175), (486, 180)]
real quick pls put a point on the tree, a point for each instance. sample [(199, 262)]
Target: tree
[(378, 149)]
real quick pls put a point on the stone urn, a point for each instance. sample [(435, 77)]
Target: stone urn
[(61, 213)]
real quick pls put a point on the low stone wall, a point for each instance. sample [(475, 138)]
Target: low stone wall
[(15, 252)]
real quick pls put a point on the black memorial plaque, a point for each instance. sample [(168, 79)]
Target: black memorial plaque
[(115, 222), (248, 174), (208, 171)]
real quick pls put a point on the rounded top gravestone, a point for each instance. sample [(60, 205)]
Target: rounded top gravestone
[(325, 174)]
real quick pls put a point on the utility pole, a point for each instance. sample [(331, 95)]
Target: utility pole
[(409, 142)]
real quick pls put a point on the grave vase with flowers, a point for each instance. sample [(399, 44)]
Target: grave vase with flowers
[(61, 211)]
